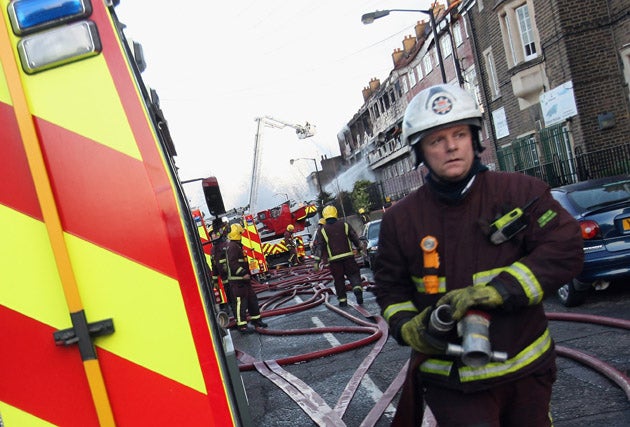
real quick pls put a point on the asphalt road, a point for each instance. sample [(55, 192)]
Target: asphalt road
[(581, 397)]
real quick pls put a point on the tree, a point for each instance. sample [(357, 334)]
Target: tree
[(361, 196)]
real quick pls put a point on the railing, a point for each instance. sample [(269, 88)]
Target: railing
[(597, 164)]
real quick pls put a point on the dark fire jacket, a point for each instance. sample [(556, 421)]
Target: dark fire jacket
[(532, 264)]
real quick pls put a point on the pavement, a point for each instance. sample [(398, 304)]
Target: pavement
[(581, 397)]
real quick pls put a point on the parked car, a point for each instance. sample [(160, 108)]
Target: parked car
[(370, 237), (602, 206)]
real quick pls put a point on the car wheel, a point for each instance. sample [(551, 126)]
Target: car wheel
[(571, 296)]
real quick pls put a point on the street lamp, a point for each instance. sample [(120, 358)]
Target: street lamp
[(319, 183), (368, 18)]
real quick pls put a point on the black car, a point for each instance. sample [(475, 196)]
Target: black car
[(602, 206), (370, 237)]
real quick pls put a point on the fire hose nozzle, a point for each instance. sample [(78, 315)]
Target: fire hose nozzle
[(475, 351), (441, 320)]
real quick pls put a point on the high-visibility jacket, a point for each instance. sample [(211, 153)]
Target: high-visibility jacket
[(236, 262), (336, 240), (532, 264)]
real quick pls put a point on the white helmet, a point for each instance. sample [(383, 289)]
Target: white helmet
[(437, 107)]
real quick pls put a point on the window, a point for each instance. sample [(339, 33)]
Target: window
[(520, 37), (527, 34), (426, 64), (445, 45), (412, 78), (493, 81), (405, 86), (625, 58), (418, 69), (457, 34)]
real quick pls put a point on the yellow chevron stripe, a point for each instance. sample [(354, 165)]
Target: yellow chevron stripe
[(12, 416), (111, 286), (102, 119), (4, 89)]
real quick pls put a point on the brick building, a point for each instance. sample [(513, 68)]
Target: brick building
[(555, 77), (551, 77)]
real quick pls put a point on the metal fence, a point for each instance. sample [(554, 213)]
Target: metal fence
[(561, 168), (596, 164)]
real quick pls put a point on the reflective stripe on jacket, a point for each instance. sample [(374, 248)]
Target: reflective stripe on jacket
[(535, 262)]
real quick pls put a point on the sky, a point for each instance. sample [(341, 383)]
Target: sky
[(217, 66)]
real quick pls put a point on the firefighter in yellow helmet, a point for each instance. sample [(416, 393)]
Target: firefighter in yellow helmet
[(289, 241), (365, 216), (335, 239), (218, 255), (246, 300)]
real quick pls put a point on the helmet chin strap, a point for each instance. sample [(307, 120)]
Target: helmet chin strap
[(454, 191)]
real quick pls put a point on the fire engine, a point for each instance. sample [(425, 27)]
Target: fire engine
[(106, 301), (272, 223)]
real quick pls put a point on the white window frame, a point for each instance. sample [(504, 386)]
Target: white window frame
[(526, 32), (457, 33), (447, 48), (518, 27), (427, 65), (625, 59), (493, 82), (412, 78), (419, 73)]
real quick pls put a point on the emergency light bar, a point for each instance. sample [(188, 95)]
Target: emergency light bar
[(28, 16), (59, 46)]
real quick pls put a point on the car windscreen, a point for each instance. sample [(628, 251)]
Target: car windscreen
[(601, 196), (373, 230)]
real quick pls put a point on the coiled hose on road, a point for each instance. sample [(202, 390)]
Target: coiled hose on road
[(285, 284)]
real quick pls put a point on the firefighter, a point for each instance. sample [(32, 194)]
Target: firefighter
[(503, 243), (335, 239), (316, 248), (289, 241), (218, 256), (365, 216), (245, 298)]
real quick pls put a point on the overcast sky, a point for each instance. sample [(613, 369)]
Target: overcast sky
[(218, 65)]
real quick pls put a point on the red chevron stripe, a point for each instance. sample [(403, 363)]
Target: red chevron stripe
[(117, 211), (17, 190), (179, 247), (49, 382)]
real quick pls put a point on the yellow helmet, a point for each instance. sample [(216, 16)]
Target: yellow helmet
[(361, 210), (329, 212), (236, 230), (290, 228), (321, 221)]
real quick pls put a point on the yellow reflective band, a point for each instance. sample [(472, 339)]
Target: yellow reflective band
[(528, 282), (546, 217), (525, 277), (492, 370), (419, 281), (12, 416), (397, 308), (437, 367), (484, 277)]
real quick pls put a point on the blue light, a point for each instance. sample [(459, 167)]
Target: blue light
[(28, 16)]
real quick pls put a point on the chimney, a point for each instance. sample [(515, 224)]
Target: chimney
[(374, 84), (408, 43), (366, 93), (397, 56), (420, 28)]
